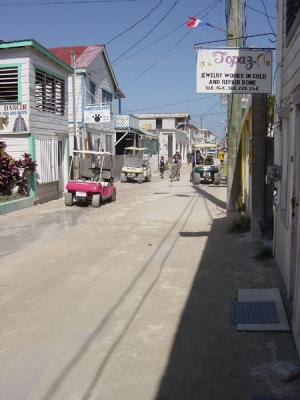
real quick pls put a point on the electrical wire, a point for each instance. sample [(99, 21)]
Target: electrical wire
[(159, 59), (149, 32), (225, 40), (163, 55), (169, 33), (259, 12), (245, 24), (171, 104), (135, 24), (210, 108), (59, 3), (268, 19)]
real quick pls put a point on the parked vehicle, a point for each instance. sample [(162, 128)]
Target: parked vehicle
[(91, 179), (136, 165), (204, 164)]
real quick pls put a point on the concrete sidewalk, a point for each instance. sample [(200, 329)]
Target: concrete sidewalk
[(210, 359)]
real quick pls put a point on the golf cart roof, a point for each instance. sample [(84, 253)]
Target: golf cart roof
[(136, 148), (204, 146), (92, 152)]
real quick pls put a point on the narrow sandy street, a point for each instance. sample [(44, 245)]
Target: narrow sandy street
[(130, 301)]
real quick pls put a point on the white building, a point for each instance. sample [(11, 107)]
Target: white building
[(95, 84), (34, 112), (172, 129), (287, 153)]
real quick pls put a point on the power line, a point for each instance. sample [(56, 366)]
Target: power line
[(210, 108), (268, 19), (149, 32), (259, 12), (164, 54), (234, 38), (159, 59), (59, 3), (136, 23), (170, 32), (245, 24), (216, 113), (171, 104)]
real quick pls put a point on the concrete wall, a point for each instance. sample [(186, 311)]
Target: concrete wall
[(287, 157), (149, 124), (168, 123)]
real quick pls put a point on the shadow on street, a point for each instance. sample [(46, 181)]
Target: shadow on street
[(210, 359)]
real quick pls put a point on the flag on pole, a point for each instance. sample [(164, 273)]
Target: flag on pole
[(193, 22)]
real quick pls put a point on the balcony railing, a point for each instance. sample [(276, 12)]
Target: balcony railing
[(126, 121)]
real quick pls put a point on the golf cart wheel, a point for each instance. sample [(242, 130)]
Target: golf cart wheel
[(113, 197), (149, 178), (216, 179), (96, 200), (196, 178), (123, 178), (68, 199), (140, 178)]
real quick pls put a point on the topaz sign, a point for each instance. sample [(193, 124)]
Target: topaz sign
[(234, 71)]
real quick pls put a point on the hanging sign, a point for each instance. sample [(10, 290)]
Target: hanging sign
[(14, 118), (98, 113), (234, 70)]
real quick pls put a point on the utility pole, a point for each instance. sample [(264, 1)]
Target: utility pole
[(74, 102), (235, 17)]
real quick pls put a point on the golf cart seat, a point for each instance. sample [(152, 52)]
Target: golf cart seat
[(85, 169), (106, 175)]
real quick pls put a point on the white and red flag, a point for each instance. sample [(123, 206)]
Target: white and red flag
[(193, 22)]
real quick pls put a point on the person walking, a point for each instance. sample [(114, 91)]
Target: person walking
[(189, 157), (162, 167)]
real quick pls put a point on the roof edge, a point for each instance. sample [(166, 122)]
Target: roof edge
[(37, 46)]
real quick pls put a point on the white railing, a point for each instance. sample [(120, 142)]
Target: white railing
[(126, 121)]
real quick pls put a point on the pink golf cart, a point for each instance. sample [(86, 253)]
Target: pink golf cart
[(91, 178)]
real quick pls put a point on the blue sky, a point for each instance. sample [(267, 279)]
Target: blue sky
[(172, 81)]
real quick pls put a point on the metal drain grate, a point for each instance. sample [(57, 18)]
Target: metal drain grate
[(254, 312)]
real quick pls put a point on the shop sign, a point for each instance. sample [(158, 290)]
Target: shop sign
[(14, 118), (234, 70), (98, 113)]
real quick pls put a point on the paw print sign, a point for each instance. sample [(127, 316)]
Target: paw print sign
[(97, 114), (97, 117)]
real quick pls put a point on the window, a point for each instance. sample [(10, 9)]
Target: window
[(9, 84), (49, 93), (158, 123), (292, 8), (107, 97), (92, 97), (180, 123)]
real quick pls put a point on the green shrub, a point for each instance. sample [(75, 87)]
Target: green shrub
[(263, 253), (240, 224)]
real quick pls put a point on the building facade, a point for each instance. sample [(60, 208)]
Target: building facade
[(172, 129), (287, 153), (95, 85), (34, 112)]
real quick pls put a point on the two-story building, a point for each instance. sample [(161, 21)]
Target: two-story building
[(34, 112), (287, 153), (172, 129), (96, 90)]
